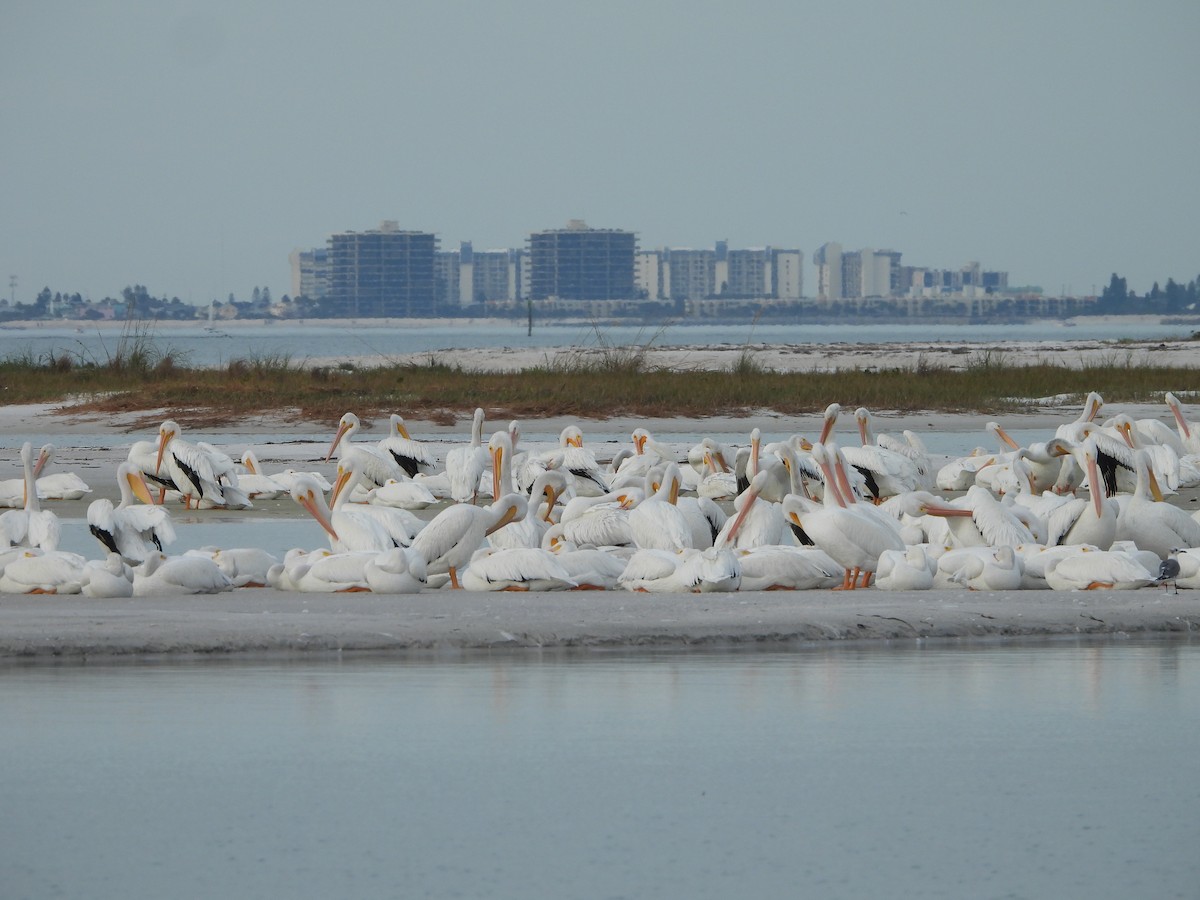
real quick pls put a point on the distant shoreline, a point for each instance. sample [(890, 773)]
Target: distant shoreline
[(568, 322)]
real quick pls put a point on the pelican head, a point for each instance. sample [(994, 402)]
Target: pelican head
[(398, 427), (830, 416), (347, 425), (167, 432)]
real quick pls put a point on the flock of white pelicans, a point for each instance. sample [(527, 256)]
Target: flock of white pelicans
[(1083, 510)]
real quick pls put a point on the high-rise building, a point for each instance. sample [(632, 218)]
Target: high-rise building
[(385, 272), (828, 260), (690, 274), (310, 273), (581, 263)]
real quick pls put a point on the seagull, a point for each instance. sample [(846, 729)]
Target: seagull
[(1168, 571)]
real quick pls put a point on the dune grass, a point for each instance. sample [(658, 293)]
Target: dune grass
[(600, 382)]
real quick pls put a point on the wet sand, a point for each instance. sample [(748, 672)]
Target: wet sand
[(264, 621)]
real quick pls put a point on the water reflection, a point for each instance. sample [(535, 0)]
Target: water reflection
[(1055, 769)]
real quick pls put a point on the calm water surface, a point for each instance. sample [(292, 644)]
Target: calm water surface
[(1052, 770), (203, 345)]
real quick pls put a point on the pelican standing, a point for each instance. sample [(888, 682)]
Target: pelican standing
[(30, 526), (465, 465), (451, 538)]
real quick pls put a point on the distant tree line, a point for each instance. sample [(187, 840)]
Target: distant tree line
[(1117, 298)]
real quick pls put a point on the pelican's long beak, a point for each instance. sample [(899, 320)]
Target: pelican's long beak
[(43, 458), (673, 493), (1173, 405), (574, 441), (551, 499), (509, 515), (720, 458), (137, 484), (337, 439), (403, 432), (339, 483), (1095, 486), (862, 430), (945, 511), (751, 496), (639, 444), (164, 438), (1155, 490), (1126, 433), (1008, 441), (826, 429), (831, 483), (497, 460), (310, 504)]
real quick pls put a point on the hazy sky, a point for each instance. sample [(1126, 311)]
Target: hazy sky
[(191, 146)]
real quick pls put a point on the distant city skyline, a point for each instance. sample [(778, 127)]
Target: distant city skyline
[(191, 148)]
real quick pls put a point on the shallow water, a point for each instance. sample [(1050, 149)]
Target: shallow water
[(1049, 770), (200, 344)]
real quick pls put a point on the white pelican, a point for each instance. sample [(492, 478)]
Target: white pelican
[(978, 519), (500, 451), (516, 569), (1091, 408), (397, 571), (399, 523), (911, 447), (1077, 521), (756, 522), (194, 471), (647, 454), (451, 538), (376, 466), (412, 456), (852, 539), (402, 495), (656, 522), (163, 576), (1153, 525), (1164, 461), (1189, 437), (996, 569), (144, 455), (59, 485), (108, 578), (246, 566), (600, 521), (682, 571), (132, 530), (30, 526), (347, 530), (465, 465), (782, 568), (1096, 569), (904, 570), (529, 529), (581, 464), (322, 572), (589, 567), (255, 483), (37, 571)]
